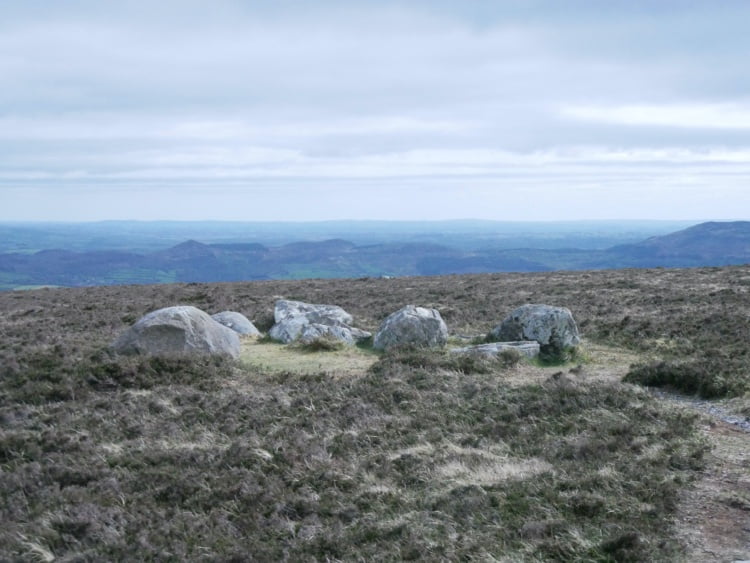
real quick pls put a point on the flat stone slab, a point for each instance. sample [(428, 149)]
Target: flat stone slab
[(529, 349)]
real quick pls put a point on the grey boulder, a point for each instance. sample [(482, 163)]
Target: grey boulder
[(412, 326), (238, 322), (306, 322), (552, 327), (178, 330), (346, 334), (322, 314)]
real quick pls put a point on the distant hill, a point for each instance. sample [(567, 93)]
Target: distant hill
[(707, 244)]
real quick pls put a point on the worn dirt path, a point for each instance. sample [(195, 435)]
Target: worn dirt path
[(713, 518)]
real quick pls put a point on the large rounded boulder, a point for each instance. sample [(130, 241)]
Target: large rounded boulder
[(412, 327), (238, 322), (178, 330), (554, 328)]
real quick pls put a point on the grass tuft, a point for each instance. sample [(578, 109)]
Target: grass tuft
[(695, 377), (322, 344), (433, 360)]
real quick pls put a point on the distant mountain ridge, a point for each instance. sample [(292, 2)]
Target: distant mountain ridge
[(706, 244)]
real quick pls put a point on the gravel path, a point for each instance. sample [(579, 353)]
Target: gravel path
[(708, 407), (713, 517)]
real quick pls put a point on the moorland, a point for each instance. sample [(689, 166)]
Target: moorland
[(350, 455)]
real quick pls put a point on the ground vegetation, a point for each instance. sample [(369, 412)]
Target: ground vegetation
[(287, 454)]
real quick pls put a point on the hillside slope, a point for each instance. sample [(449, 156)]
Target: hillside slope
[(707, 244), (419, 457)]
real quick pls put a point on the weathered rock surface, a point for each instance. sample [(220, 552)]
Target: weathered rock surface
[(178, 330), (412, 326), (306, 322), (238, 322), (552, 327), (530, 349), (346, 334), (322, 314)]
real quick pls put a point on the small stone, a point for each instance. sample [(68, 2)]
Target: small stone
[(238, 322), (528, 349)]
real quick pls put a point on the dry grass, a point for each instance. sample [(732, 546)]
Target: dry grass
[(478, 468), (273, 358)]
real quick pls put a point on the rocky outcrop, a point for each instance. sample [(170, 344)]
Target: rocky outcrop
[(238, 322), (306, 322), (529, 349), (178, 330), (412, 326), (552, 327)]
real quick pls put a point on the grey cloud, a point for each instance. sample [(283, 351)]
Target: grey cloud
[(394, 96)]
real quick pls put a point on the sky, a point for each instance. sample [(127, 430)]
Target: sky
[(528, 110)]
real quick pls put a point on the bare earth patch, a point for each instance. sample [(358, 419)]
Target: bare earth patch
[(600, 363), (713, 518)]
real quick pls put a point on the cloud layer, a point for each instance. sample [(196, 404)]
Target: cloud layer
[(296, 110)]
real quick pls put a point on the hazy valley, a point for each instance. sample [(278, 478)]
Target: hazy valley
[(126, 253)]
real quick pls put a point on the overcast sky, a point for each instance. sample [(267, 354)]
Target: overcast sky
[(312, 110)]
